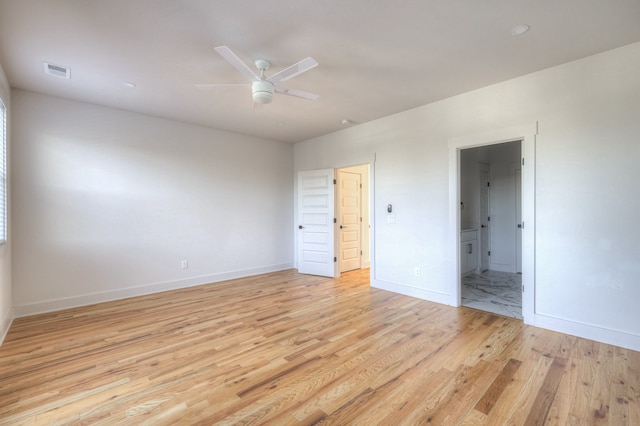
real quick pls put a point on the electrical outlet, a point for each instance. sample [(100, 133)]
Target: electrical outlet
[(417, 271), (185, 264)]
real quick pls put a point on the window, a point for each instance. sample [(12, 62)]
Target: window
[(3, 173)]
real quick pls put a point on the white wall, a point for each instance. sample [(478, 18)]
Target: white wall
[(470, 187), (107, 204), (587, 197), (6, 303)]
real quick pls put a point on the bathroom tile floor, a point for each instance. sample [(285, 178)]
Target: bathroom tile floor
[(493, 291)]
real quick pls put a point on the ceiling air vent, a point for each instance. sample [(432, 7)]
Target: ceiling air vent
[(57, 70)]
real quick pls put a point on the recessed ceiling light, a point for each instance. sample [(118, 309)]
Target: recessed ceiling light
[(346, 121), (129, 84), (520, 29)]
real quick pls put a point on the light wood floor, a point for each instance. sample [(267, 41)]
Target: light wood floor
[(285, 348)]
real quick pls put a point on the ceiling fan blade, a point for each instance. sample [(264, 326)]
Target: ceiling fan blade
[(294, 70), (220, 86), (298, 93), (237, 63)]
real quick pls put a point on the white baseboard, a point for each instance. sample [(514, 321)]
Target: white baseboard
[(502, 268), (5, 324), (588, 331), (123, 293), (420, 293)]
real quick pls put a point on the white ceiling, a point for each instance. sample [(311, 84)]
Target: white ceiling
[(376, 57)]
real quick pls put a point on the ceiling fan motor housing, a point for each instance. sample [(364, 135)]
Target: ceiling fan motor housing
[(262, 91)]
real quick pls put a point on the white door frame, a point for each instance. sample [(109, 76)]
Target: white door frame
[(527, 134)]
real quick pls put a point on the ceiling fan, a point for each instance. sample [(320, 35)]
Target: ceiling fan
[(262, 87)]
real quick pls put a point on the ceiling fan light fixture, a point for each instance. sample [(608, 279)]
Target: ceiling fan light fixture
[(262, 91), (520, 29), (263, 87)]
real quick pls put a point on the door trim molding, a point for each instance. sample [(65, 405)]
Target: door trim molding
[(527, 135)]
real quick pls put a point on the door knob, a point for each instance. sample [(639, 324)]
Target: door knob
[(341, 226), (483, 226), (300, 227)]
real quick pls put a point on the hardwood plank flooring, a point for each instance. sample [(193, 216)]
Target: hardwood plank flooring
[(289, 349)]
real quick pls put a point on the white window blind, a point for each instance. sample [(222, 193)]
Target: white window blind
[(3, 173)]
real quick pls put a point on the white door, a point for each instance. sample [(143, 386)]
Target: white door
[(518, 179), (484, 221), (315, 222), (349, 220)]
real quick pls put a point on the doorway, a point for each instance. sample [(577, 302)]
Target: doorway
[(490, 199), (527, 134), (333, 220)]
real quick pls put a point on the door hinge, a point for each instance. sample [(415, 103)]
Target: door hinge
[(489, 253), (360, 219), (360, 185), (334, 220), (523, 288), (488, 218), (523, 161), (335, 259), (360, 252), (334, 181), (488, 183)]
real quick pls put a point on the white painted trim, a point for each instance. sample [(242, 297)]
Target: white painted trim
[(528, 217), (5, 324), (527, 134), (372, 220), (588, 331), (107, 296), (408, 290)]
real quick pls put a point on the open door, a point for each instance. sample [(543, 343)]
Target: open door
[(484, 219), (316, 223), (518, 179), (349, 209)]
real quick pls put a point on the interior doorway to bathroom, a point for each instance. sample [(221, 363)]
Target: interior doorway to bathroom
[(490, 228)]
